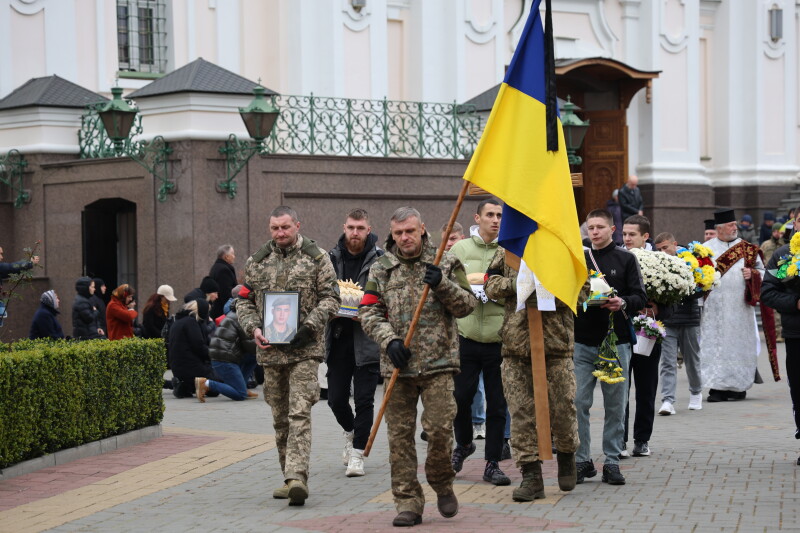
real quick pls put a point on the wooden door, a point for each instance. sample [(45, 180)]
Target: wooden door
[(605, 159)]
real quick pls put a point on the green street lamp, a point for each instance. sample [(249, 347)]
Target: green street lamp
[(117, 117), (259, 118), (574, 130)]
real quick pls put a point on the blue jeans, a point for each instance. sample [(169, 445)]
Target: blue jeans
[(232, 376), (615, 397), (478, 404)]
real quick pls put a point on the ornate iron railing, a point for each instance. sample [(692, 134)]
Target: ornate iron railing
[(12, 166), (319, 125)]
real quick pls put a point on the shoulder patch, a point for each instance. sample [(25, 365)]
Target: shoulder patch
[(263, 252), (385, 261), (311, 249)]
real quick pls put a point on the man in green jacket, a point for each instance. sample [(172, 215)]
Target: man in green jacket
[(479, 347)]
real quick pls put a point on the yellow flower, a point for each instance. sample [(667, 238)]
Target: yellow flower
[(792, 270), (794, 244)]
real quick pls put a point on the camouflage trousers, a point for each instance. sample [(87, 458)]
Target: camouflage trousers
[(518, 384), (291, 391), (438, 412)]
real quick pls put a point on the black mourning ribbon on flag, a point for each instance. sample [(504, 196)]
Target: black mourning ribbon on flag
[(551, 103)]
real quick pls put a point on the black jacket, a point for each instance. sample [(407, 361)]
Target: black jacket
[(621, 271), (225, 275), (230, 341), (630, 201), (777, 295), (188, 348), (100, 305), (45, 324), (344, 335), (85, 318), (152, 323)]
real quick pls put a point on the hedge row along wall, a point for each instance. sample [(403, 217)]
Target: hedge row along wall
[(56, 395)]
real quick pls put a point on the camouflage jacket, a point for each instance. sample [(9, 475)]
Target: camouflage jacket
[(303, 267), (558, 326), (393, 289)]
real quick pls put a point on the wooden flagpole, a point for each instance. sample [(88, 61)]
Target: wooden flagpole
[(415, 319), (539, 371)]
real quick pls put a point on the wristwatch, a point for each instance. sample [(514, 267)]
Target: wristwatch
[(624, 304)]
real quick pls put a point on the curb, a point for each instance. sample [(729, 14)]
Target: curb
[(90, 449)]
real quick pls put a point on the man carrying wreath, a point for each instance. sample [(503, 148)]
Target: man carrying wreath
[(729, 343)]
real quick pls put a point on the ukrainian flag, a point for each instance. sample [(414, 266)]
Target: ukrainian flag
[(512, 162)]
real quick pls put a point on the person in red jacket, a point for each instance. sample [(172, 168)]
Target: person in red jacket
[(120, 313)]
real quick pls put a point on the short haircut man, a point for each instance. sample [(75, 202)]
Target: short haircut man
[(488, 201), (224, 250), (358, 214), (282, 210), (456, 234)]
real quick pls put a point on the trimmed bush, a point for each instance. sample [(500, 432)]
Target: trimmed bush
[(59, 394)]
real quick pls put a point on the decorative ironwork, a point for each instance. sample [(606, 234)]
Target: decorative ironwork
[(317, 125), (94, 142), (12, 165), (237, 153)]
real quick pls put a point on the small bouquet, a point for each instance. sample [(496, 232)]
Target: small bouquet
[(667, 279), (599, 290), (698, 257), (351, 295), (788, 265), (649, 327), (608, 368)]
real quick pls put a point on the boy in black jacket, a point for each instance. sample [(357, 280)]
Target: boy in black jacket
[(621, 271)]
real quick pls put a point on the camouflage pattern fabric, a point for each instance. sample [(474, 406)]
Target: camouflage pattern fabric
[(302, 267), (393, 289), (273, 335), (558, 326), (439, 409), (518, 386), (291, 391)]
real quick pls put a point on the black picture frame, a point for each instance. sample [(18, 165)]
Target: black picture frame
[(290, 321)]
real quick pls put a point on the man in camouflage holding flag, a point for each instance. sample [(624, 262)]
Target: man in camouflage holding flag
[(501, 284), (290, 262), (394, 287)]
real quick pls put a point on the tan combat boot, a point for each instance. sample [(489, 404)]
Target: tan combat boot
[(532, 486)]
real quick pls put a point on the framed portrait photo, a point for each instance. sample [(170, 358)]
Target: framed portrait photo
[(281, 316)]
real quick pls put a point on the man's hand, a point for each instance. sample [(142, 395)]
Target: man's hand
[(433, 275), (613, 304), (35, 259), (398, 353), (100, 331), (261, 340), (747, 273), (303, 337)]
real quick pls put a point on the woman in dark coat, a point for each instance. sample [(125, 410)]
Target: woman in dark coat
[(156, 311), (85, 321), (188, 347), (45, 324)]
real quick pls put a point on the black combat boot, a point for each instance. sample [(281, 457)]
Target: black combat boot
[(567, 474)]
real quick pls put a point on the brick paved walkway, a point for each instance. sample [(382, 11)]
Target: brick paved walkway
[(729, 467)]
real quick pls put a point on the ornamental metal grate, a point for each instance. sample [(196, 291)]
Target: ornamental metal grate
[(318, 125), (93, 141)]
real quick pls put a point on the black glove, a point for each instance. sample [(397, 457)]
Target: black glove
[(302, 338), (433, 275), (398, 353)]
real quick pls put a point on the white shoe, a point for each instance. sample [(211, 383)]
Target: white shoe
[(478, 431), (348, 447), (624, 453), (696, 401), (355, 468), (666, 409)]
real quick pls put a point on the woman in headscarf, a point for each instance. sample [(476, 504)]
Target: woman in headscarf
[(45, 324), (120, 313)]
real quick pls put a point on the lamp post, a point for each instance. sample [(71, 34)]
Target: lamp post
[(574, 131), (259, 118), (117, 117)]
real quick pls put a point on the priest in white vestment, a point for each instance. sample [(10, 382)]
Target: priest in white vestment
[(729, 341)]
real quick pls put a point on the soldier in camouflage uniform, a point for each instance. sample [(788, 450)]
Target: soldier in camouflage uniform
[(518, 381), (395, 284), (290, 262)]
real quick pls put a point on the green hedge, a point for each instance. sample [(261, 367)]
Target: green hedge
[(59, 394)]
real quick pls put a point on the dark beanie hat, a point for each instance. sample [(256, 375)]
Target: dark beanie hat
[(208, 285), (202, 309), (769, 215), (98, 282)]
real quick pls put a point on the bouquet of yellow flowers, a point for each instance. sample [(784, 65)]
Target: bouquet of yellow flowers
[(699, 257), (788, 265)]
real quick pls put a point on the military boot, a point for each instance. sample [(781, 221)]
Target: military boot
[(567, 473), (532, 486)]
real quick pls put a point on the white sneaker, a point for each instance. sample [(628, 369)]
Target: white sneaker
[(348, 447), (666, 409), (355, 467), (478, 431), (624, 453), (696, 401)]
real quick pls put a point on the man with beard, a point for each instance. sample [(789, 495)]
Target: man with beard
[(351, 355), (729, 342)]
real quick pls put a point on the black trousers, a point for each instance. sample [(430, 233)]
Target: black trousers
[(342, 370), (793, 376), (644, 372), (477, 357)]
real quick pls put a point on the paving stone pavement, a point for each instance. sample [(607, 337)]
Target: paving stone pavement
[(728, 467)]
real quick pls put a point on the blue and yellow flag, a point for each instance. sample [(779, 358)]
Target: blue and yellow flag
[(512, 162)]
